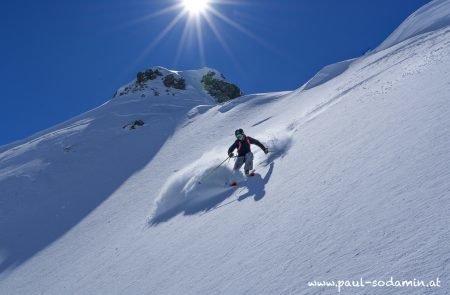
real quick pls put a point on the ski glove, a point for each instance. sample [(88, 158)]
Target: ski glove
[(266, 150), (231, 155)]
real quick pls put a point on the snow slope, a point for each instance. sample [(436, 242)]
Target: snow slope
[(327, 73), (432, 16), (357, 186)]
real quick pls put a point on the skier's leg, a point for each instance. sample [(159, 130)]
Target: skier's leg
[(237, 165), (239, 162), (248, 162)]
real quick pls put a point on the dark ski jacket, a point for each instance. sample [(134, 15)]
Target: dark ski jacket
[(243, 146)]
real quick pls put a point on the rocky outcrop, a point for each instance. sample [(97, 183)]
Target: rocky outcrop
[(134, 124), (159, 81), (149, 74), (177, 83), (221, 90), (141, 83)]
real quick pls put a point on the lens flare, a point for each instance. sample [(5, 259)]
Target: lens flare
[(196, 14), (196, 6)]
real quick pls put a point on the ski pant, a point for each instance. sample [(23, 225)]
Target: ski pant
[(247, 159)]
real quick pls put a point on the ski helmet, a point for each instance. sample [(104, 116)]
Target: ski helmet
[(238, 131)]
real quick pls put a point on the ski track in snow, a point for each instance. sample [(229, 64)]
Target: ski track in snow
[(27, 169), (32, 144), (201, 186)]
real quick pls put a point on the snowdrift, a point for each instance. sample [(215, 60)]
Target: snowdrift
[(204, 184), (327, 73), (194, 188), (431, 17)]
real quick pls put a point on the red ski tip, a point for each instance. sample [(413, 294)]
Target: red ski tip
[(234, 183)]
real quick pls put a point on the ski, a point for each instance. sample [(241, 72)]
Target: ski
[(235, 183), (252, 173)]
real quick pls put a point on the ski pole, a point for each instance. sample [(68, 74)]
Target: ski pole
[(212, 171)]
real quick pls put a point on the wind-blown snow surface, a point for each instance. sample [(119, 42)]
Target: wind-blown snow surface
[(357, 186), (327, 73), (432, 16)]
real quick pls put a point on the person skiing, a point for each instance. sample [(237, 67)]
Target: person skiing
[(244, 153)]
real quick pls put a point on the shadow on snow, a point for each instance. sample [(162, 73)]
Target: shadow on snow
[(36, 212), (254, 186)]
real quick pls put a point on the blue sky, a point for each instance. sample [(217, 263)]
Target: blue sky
[(61, 58)]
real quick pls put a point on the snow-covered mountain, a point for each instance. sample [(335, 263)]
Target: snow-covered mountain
[(356, 186)]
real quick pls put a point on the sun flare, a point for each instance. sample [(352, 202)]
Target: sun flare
[(200, 17), (196, 6)]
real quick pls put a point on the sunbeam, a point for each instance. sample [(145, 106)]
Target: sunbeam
[(245, 31), (161, 36), (200, 40), (186, 31), (167, 10), (221, 40), (197, 14), (196, 6), (238, 27), (167, 30)]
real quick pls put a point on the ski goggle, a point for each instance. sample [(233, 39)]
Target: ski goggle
[(239, 136)]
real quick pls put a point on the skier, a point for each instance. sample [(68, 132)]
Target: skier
[(244, 154)]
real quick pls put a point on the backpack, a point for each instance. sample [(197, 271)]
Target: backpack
[(240, 144)]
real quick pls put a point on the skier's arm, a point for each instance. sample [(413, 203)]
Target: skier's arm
[(232, 147), (255, 141)]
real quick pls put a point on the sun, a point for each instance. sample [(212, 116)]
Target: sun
[(195, 6), (201, 18)]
